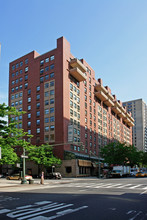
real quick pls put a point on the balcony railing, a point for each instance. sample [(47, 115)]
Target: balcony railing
[(78, 74), (101, 96), (77, 63)]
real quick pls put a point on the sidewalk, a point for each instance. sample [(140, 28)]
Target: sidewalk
[(13, 183)]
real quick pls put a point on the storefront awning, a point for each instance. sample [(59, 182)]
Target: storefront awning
[(84, 163)]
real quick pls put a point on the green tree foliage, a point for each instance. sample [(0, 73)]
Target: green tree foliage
[(120, 154), (43, 155), (144, 159), (10, 135)]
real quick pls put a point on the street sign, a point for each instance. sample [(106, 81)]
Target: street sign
[(22, 156)]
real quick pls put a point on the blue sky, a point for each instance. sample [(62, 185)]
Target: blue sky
[(111, 35)]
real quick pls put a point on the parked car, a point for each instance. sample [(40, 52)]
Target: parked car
[(17, 176), (140, 174), (54, 175)]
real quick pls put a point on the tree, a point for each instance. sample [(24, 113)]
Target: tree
[(43, 155), (10, 135), (120, 154), (144, 159), (133, 156), (114, 153)]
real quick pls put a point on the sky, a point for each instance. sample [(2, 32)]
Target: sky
[(111, 35)]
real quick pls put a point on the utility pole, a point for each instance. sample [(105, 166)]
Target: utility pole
[(23, 156)]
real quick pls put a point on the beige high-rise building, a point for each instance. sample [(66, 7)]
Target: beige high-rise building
[(138, 108)]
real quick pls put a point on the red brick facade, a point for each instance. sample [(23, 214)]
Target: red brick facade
[(58, 90)]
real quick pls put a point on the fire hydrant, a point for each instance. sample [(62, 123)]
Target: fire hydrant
[(42, 178)]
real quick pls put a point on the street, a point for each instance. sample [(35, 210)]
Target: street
[(87, 198)]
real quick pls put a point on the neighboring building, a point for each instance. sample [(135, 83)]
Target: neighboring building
[(65, 103), (138, 108)]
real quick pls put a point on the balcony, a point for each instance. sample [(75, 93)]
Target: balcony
[(122, 115), (99, 87), (101, 96), (109, 103), (131, 124), (77, 74), (116, 110), (77, 63)]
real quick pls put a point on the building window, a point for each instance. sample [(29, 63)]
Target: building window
[(26, 85), (38, 122), (17, 65), (52, 57), (29, 131), (13, 67), (29, 124), (47, 77), (51, 110), (51, 101), (46, 128), (38, 97), (29, 107), (46, 111), (29, 99), (52, 119), (46, 102), (46, 120), (51, 83), (41, 79), (52, 75), (41, 62), (26, 61), (20, 102), (21, 63), (47, 60), (46, 85), (46, 68), (38, 130), (20, 87), (29, 115), (38, 105), (41, 71), (29, 91), (52, 127), (38, 113), (46, 94), (52, 66), (38, 88), (20, 79), (26, 77), (52, 92), (16, 81), (26, 69)]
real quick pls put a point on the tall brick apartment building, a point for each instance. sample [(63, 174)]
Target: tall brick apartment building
[(64, 102)]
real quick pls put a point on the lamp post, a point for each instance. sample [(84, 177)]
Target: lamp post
[(23, 156)]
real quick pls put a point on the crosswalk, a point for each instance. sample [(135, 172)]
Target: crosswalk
[(43, 210), (106, 186)]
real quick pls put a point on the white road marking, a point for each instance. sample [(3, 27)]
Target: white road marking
[(4, 211), (133, 187), (103, 185), (59, 214), (124, 186), (113, 185), (140, 212)]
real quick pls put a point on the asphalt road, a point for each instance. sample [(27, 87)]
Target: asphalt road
[(108, 199)]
